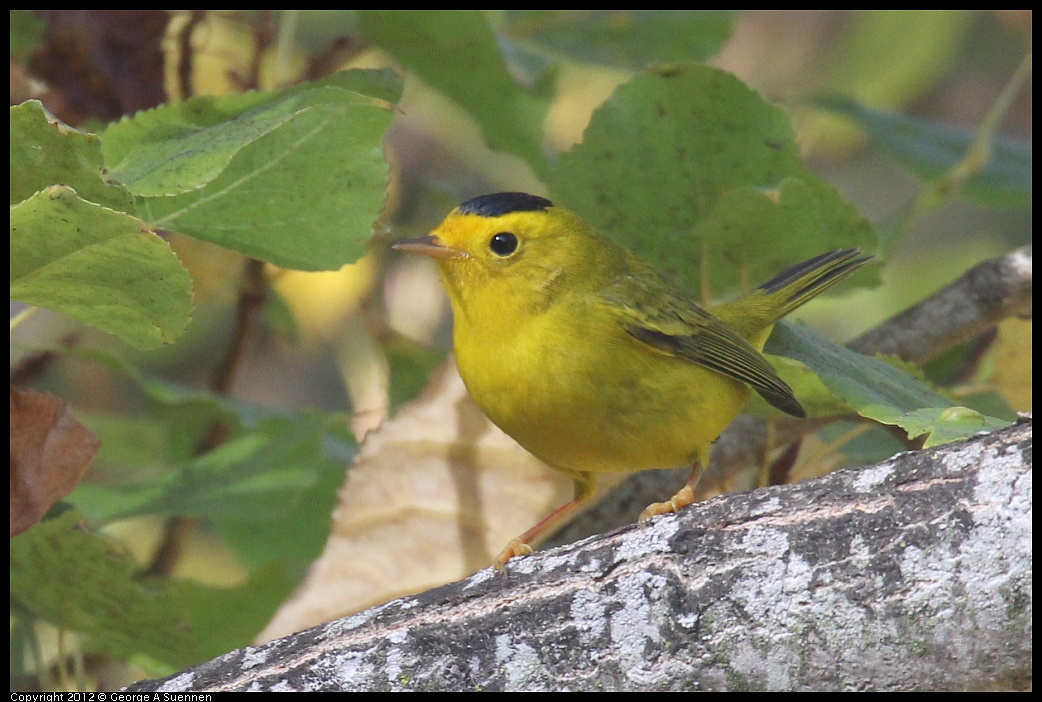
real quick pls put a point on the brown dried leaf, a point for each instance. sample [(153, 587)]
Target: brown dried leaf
[(433, 495), (50, 451)]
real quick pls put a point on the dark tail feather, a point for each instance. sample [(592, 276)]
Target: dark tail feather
[(813, 277)]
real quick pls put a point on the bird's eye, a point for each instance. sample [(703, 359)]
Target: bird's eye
[(503, 244)]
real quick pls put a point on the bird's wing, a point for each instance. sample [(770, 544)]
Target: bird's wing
[(672, 325)]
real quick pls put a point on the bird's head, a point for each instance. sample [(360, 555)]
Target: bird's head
[(509, 245)]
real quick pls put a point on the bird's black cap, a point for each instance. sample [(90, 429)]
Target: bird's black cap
[(497, 204)]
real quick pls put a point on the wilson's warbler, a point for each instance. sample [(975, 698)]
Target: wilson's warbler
[(578, 350)]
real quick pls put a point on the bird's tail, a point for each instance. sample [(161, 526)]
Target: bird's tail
[(753, 315), (798, 284)]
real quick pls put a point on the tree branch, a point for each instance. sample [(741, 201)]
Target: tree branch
[(982, 297), (912, 574)]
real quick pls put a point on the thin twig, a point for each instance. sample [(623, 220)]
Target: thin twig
[(982, 297)]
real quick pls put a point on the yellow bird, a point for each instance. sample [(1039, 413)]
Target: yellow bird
[(578, 350)]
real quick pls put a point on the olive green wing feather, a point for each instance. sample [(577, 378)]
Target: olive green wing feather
[(672, 325)]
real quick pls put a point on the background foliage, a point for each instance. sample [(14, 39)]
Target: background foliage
[(214, 155)]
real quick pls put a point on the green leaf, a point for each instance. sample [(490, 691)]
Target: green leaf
[(301, 192), (381, 84), (301, 529), (632, 39), (870, 386), (693, 171), (183, 146), (269, 490), (46, 152), (179, 147), (257, 474), (456, 52), (948, 424), (878, 390), (930, 150), (132, 446), (82, 582), (101, 267)]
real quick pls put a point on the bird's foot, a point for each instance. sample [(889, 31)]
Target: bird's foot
[(684, 497), (515, 548)]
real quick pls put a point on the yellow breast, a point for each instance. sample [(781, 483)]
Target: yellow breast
[(583, 396)]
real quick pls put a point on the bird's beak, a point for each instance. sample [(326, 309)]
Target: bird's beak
[(428, 246)]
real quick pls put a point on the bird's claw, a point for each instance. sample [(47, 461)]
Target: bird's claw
[(684, 497), (515, 548)]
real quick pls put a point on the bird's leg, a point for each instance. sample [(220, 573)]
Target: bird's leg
[(584, 487), (684, 496)]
